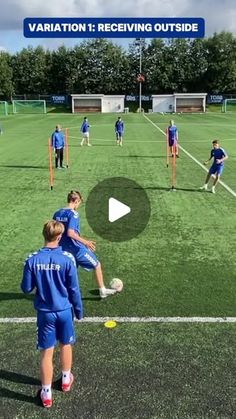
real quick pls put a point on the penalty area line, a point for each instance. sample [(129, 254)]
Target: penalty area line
[(7, 320), (193, 158)]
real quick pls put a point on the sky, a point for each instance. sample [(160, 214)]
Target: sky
[(219, 15)]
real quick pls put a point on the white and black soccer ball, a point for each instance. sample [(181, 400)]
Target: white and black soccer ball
[(116, 284)]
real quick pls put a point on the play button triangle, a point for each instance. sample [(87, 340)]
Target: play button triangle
[(117, 210)]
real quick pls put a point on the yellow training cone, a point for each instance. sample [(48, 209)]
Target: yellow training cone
[(110, 324)]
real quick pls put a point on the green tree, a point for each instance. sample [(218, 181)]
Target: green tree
[(102, 68), (157, 68), (221, 56), (30, 71), (62, 77), (6, 84), (197, 66)]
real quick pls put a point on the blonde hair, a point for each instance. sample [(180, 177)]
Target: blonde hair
[(52, 229), (73, 196)]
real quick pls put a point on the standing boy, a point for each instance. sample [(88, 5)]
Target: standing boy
[(53, 274), (58, 144), (85, 132), (173, 139), (119, 130)]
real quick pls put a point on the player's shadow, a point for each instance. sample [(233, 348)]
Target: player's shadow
[(94, 296), (190, 190), (134, 156), (103, 145), (169, 189), (93, 145), (14, 395), (18, 166), (20, 379), (4, 296), (14, 377)]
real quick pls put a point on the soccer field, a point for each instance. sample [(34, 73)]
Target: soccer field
[(182, 264)]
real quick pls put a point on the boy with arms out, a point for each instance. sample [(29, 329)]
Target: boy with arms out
[(85, 132), (217, 167), (52, 272)]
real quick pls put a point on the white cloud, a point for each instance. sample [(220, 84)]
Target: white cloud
[(219, 14)]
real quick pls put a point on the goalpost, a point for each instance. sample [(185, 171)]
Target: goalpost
[(3, 108), (29, 106), (229, 105)]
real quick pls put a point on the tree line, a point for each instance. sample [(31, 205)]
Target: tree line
[(100, 66)]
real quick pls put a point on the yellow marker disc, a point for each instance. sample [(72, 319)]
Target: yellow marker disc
[(110, 324)]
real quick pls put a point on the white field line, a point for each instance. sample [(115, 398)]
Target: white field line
[(146, 141), (114, 140), (132, 319), (193, 158), (112, 125)]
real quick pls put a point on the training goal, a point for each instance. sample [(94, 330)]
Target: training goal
[(229, 105), (3, 108), (29, 106)]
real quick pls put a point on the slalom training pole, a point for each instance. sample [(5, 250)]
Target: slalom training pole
[(173, 186), (51, 178), (67, 148), (167, 148)]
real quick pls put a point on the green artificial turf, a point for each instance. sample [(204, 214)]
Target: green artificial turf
[(183, 263), (138, 371)]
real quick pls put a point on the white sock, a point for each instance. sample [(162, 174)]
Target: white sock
[(65, 377), (102, 289), (47, 391)]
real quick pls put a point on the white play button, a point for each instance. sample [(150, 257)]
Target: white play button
[(117, 210)]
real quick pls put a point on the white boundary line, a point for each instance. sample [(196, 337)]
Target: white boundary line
[(114, 140), (146, 141), (132, 319), (193, 158)]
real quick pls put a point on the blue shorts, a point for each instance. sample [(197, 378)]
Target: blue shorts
[(172, 142), (119, 134), (54, 327), (216, 168), (85, 258)]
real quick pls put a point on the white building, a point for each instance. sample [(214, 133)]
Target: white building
[(97, 103), (179, 102)]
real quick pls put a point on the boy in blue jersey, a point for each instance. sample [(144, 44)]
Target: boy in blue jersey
[(216, 170), (173, 138), (119, 130), (85, 132), (52, 273), (58, 144), (81, 248)]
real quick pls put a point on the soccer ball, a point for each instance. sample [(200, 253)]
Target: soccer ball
[(116, 284)]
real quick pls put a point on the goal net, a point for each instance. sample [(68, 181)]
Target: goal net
[(229, 105), (29, 106), (3, 108)]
